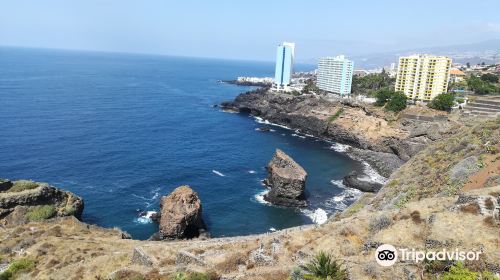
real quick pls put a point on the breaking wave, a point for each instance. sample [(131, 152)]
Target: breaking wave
[(218, 173), (318, 216)]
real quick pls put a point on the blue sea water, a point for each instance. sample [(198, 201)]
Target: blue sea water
[(122, 130)]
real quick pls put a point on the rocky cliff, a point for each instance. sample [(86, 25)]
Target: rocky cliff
[(380, 138), (23, 201), (286, 180)]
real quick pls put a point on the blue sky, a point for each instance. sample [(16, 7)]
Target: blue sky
[(246, 29)]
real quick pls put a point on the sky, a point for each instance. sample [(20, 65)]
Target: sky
[(246, 29)]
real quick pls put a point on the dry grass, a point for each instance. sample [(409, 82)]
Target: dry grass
[(379, 223), (490, 221), (471, 208), (489, 203), (274, 275), (415, 217), (232, 261)]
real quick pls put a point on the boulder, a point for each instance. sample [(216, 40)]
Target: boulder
[(5, 185), (354, 181), (286, 180), (180, 215)]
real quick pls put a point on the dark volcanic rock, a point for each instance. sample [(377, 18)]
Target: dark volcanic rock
[(181, 215), (353, 181), (385, 154), (286, 180), (384, 163), (5, 185)]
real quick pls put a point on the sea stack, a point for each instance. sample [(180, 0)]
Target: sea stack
[(286, 181), (180, 215)]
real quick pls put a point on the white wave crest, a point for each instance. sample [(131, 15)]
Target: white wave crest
[(252, 171), (218, 173), (340, 202), (298, 135), (371, 175), (318, 216), (263, 121), (146, 217), (260, 197), (341, 148)]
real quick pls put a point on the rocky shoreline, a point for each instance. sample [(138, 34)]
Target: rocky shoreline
[(395, 142)]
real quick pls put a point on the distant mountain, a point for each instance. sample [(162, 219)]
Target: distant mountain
[(486, 51)]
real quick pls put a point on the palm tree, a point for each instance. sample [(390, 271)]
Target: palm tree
[(324, 267)]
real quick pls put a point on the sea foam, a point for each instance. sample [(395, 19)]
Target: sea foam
[(218, 173), (146, 218), (318, 216)]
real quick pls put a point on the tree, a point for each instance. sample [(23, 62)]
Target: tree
[(443, 102), (310, 86), (323, 267), (393, 101), (397, 102), (492, 78), (382, 96), (370, 83), (468, 64)]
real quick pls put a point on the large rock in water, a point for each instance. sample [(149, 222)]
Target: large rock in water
[(353, 180), (286, 180), (180, 215)]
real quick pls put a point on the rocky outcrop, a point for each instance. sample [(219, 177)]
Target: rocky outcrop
[(353, 180), (286, 180), (180, 215), (364, 127), (20, 199)]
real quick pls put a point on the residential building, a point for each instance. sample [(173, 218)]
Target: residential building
[(335, 74), (423, 77), (456, 76), (285, 55)]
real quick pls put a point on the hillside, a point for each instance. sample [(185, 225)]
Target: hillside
[(440, 198)]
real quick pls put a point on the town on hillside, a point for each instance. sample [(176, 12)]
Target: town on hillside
[(422, 80)]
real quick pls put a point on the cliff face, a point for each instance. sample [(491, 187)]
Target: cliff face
[(376, 136), (23, 201)]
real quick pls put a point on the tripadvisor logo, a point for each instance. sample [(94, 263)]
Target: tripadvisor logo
[(387, 255)]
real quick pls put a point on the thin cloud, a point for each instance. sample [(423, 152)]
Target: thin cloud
[(493, 27)]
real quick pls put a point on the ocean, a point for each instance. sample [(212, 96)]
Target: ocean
[(122, 130)]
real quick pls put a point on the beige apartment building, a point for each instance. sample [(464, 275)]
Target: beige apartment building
[(423, 77)]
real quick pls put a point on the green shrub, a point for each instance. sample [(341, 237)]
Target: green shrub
[(194, 276), (41, 212), (393, 101), (336, 115), (443, 102), (323, 267), (397, 102), (383, 95), (296, 274), (459, 272), (17, 267), (22, 185), (492, 78)]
